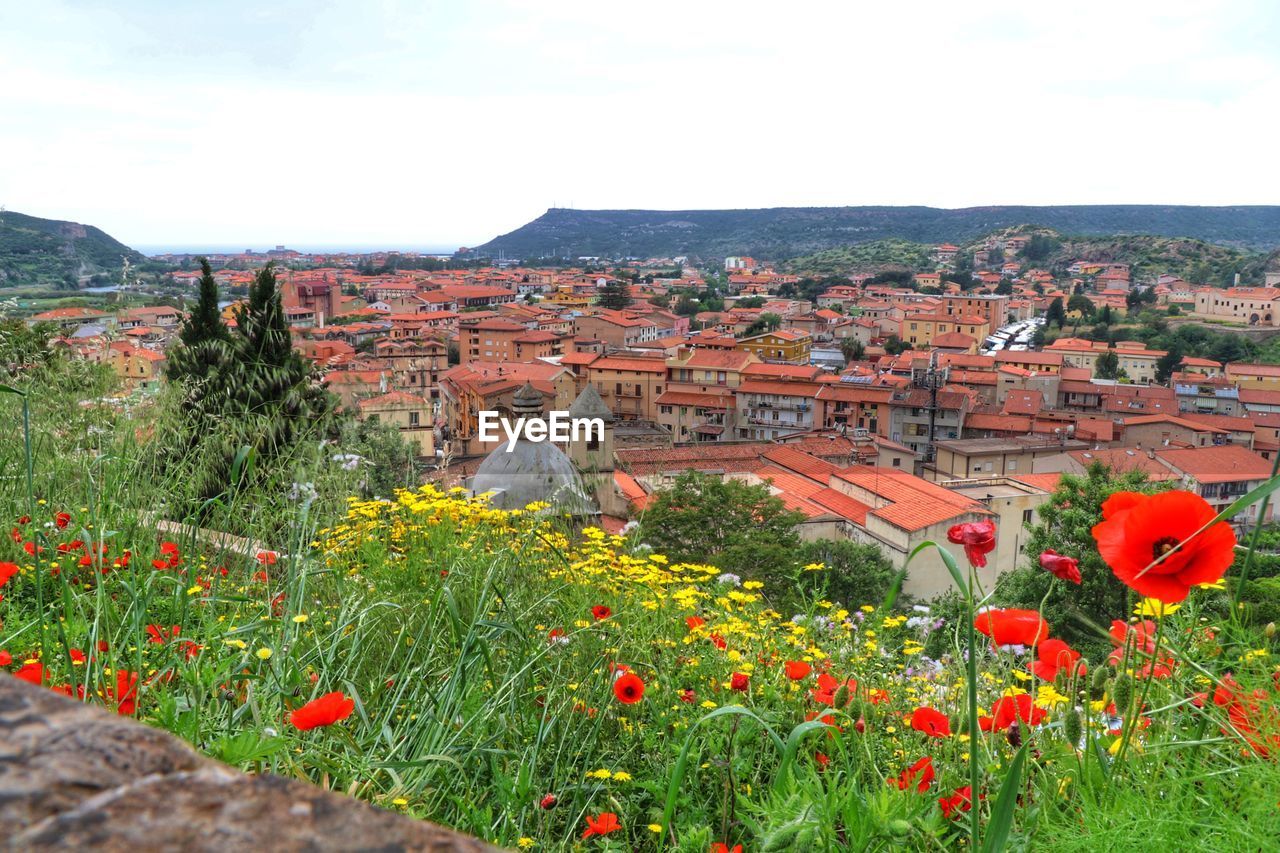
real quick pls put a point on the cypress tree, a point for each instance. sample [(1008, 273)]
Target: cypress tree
[(203, 339)]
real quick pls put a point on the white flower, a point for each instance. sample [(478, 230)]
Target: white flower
[(729, 578)]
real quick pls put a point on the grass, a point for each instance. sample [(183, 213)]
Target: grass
[(481, 669)]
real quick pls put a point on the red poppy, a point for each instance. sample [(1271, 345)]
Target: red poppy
[(719, 642), (32, 549), (687, 696), (267, 558), (61, 520), (5, 658), (103, 645), (797, 669), (822, 759), (1012, 627), (600, 612), (1061, 566), (190, 649), (322, 711), (1137, 529), (977, 537), (603, 824), (125, 693), (76, 655), (628, 688), (1021, 708), (931, 721), (7, 570), (1139, 641), (548, 802), (829, 686), (1054, 656), (959, 801), (919, 774), (721, 847), (159, 634), (24, 519), (739, 681), (32, 673), (556, 634), (694, 622)]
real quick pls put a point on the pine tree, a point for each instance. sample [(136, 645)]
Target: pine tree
[(1056, 315), (615, 295), (204, 339)]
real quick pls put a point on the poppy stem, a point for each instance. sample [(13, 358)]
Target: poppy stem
[(975, 818)]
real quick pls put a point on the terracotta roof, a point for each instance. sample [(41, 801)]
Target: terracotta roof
[(1030, 357), (780, 387), (1045, 482), (802, 463), (1226, 463), (914, 503), (693, 398), (634, 365), (1122, 460), (710, 457)]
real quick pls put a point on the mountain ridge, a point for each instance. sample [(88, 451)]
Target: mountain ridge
[(785, 232), (37, 251)]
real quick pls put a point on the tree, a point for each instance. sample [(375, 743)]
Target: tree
[(1168, 363), (1081, 303), (686, 307), (1056, 315), (204, 339), (750, 302), (1076, 613), (852, 349), (1040, 247), (1107, 366), (739, 527), (615, 294), (895, 345), (855, 573), (1004, 288)]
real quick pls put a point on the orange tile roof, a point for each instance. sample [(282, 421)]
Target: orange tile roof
[(1227, 463)]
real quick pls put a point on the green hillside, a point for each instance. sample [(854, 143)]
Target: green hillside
[(789, 232), (872, 257), (54, 253)]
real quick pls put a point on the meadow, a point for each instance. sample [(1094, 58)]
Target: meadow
[(544, 685)]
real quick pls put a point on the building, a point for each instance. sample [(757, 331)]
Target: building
[(410, 414), (919, 329), (784, 346), (991, 308), (995, 457), (1220, 475), (1255, 306), (629, 386), (773, 407), (495, 339), (620, 329)]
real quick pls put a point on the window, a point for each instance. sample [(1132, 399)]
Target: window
[(1013, 464), (897, 462), (413, 419), (1026, 516)]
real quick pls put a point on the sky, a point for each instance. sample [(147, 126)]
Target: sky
[(443, 124)]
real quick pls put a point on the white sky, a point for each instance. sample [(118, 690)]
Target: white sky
[(447, 123)]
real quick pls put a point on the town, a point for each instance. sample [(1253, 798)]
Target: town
[(885, 407)]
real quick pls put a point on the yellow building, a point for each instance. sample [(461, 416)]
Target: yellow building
[(920, 329), (781, 347), (138, 367), (409, 413)]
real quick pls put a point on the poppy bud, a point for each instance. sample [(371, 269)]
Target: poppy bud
[(548, 801), (228, 696), (1014, 735), (1099, 684), (1270, 630), (1123, 692), (841, 697), (857, 708), (958, 723), (899, 828), (1072, 727)]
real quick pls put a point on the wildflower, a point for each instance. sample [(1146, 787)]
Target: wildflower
[(267, 558), (729, 578), (603, 824), (1155, 607), (688, 696), (7, 570), (1137, 530), (125, 693), (300, 618), (1060, 566), (721, 847), (694, 622), (833, 692), (920, 774), (958, 801), (739, 681), (525, 843), (548, 802), (931, 721), (61, 520), (1010, 709), (1012, 627), (32, 672), (263, 653), (622, 776), (797, 669), (978, 539), (5, 658), (1053, 657), (601, 612), (628, 688), (322, 711)]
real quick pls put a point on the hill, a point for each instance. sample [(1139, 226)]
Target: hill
[(35, 251), (787, 232), (1147, 255)]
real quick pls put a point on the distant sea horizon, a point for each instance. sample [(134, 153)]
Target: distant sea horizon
[(309, 248)]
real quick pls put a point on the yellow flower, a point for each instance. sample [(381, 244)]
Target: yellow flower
[(300, 618), (195, 590), (525, 843), (622, 776), (263, 653), (1220, 583), (239, 644), (1155, 607), (399, 801), (599, 774), (655, 828)]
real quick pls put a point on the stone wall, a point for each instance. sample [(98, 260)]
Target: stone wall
[(76, 777)]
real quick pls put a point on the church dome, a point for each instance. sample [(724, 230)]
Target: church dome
[(533, 471)]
